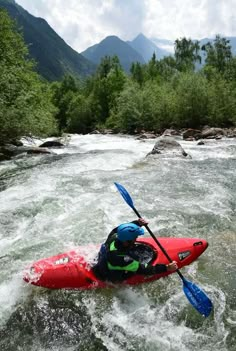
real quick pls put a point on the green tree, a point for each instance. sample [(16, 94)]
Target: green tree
[(80, 115), (160, 106), (192, 100), (25, 106), (222, 102), (151, 68), (62, 94), (107, 85), (186, 54), (230, 71), (126, 116), (137, 73), (166, 68), (218, 53)]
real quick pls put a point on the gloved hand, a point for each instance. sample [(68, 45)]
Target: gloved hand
[(142, 221), (172, 266), (161, 268)]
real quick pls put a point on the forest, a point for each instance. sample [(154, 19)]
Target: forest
[(186, 90)]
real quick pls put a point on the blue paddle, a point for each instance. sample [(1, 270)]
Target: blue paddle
[(198, 299)]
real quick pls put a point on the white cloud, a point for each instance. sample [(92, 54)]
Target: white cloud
[(82, 23)]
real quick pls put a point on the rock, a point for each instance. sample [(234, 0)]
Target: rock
[(12, 151), (4, 157), (209, 133), (231, 133), (146, 136), (37, 150), (168, 146), (16, 142), (170, 132), (191, 133), (52, 143), (107, 131), (95, 132), (201, 143)]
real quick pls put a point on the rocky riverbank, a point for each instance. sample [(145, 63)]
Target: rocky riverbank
[(15, 148)]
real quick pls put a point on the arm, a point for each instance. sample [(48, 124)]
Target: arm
[(158, 268)]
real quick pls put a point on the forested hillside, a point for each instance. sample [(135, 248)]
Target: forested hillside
[(153, 96), (25, 100), (53, 56)]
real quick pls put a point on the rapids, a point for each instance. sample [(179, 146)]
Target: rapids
[(52, 203)]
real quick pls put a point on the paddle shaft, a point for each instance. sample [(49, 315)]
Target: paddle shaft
[(158, 243)]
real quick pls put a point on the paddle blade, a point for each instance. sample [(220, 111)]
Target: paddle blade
[(124, 193), (199, 300)]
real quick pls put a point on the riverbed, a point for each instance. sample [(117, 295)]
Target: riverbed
[(54, 203)]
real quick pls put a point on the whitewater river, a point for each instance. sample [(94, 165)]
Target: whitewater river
[(53, 203)]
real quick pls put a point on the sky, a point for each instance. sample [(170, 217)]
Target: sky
[(83, 23)]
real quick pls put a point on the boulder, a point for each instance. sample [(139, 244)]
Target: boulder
[(11, 151), (16, 142), (170, 132), (146, 136), (231, 133), (212, 133), (95, 132), (201, 143), (168, 146), (4, 157), (191, 133), (37, 150), (52, 143)]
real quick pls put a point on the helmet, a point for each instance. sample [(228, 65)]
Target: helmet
[(129, 231)]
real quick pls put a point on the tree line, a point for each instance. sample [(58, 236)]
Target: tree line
[(177, 91)]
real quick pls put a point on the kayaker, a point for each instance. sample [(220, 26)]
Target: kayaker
[(117, 262)]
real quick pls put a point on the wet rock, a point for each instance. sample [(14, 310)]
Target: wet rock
[(201, 143), (52, 143), (146, 136), (16, 142), (231, 133), (170, 132), (212, 133), (190, 139), (11, 151), (38, 150), (4, 157), (95, 132), (191, 133), (168, 146)]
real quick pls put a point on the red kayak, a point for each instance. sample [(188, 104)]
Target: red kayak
[(73, 269)]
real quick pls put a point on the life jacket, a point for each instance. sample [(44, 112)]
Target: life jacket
[(105, 270), (130, 267)]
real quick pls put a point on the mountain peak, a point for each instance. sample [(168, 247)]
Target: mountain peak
[(111, 46), (111, 38), (140, 36)]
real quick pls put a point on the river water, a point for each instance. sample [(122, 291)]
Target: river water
[(53, 203)]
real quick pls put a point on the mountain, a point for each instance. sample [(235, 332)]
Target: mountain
[(111, 46), (211, 40), (165, 44), (146, 48), (53, 56)]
